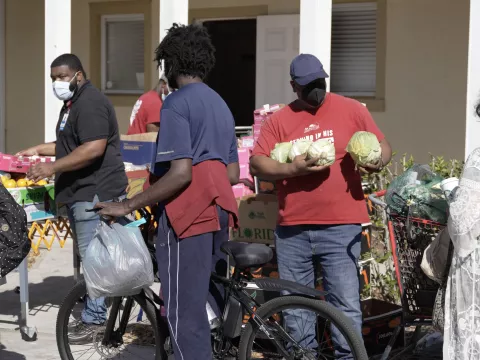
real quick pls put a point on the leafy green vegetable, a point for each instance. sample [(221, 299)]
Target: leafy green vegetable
[(324, 150), (364, 148), (299, 148), (280, 152)]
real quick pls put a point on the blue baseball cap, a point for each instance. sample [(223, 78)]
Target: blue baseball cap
[(305, 68)]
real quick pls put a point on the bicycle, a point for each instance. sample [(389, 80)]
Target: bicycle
[(261, 337)]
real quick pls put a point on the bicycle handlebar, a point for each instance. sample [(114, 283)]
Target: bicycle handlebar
[(145, 215)]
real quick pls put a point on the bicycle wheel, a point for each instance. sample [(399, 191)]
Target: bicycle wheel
[(280, 344), (139, 339)]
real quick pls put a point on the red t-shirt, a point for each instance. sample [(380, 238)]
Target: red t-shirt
[(194, 211), (145, 111), (334, 196)]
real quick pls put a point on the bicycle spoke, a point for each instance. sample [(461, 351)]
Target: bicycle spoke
[(310, 341), (137, 341)]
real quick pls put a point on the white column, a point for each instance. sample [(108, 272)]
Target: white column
[(57, 42), (316, 30), (172, 11), (472, 137), (2, 75)]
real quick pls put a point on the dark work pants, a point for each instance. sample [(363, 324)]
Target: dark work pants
[(185, 266)]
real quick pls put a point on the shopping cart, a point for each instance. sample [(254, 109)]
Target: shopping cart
[(408, 239)]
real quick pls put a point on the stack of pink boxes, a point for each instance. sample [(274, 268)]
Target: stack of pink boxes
[(20, 164), (244, 151), (246, 145)]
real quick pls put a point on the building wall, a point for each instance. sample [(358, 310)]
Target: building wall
[(86, 43), (425, 76), (426, 73), (82, 36), (426, 66), (24, 74)]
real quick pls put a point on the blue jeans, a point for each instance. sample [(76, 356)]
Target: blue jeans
[(337, 249), (84, 225)]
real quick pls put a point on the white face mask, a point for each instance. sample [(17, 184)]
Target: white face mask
[(62, 89), (165, 96)]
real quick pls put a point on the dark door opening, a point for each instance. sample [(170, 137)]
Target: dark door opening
[(233, 77)]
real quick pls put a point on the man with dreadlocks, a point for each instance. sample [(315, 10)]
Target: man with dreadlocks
[(197, 161)]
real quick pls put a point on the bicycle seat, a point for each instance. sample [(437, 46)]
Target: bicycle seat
[(248, 255)]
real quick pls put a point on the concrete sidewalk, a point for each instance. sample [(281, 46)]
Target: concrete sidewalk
[(50, 279), (13, 348)]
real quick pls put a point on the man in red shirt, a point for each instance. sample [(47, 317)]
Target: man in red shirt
[(146, 111), (321, 209)]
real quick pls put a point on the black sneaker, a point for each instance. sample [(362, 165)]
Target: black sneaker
[(80, 333)]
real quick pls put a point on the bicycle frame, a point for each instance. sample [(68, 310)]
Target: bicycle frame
[(235, 288)]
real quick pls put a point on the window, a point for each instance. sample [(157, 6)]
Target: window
[(123, 63), (354, 49)]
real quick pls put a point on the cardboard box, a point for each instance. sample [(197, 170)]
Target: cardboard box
[(379, 322), (268, 108), (247, 142), (258, 118), (243, 156), (245, 171), (266, 187), (240, 190), (36, 212), (34, 194), (137, 181), (258, 219), (138, 149), (20, 164)]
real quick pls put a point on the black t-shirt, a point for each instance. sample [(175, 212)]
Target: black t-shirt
[(87, 117)]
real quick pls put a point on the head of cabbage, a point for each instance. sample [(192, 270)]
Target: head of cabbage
[(324, 150), (364, 148), (280, 152), (300, 147)]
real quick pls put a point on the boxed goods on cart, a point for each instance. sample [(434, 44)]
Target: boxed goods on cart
[(20, 164), (258, 219), (138, 149), (36, 198), (137, 176)]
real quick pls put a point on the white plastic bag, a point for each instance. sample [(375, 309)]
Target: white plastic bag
[(435, 256), (117, 262)]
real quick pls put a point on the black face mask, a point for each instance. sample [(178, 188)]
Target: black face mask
[(314, 93), (313, 97)]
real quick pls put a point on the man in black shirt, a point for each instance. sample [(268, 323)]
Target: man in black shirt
[(88, 166)]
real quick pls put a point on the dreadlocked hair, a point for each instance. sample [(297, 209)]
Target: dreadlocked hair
[(188, 50)]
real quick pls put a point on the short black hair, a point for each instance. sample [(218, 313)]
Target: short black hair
[(188, 50), (477, 109), (71, 60)]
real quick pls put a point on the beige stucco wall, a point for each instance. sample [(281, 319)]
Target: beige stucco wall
[(425, 70), (24, 74), (275, 7), (81, 47), (81, 35), (426, 73)]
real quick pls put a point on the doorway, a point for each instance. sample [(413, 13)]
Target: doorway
[(233, 76)]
